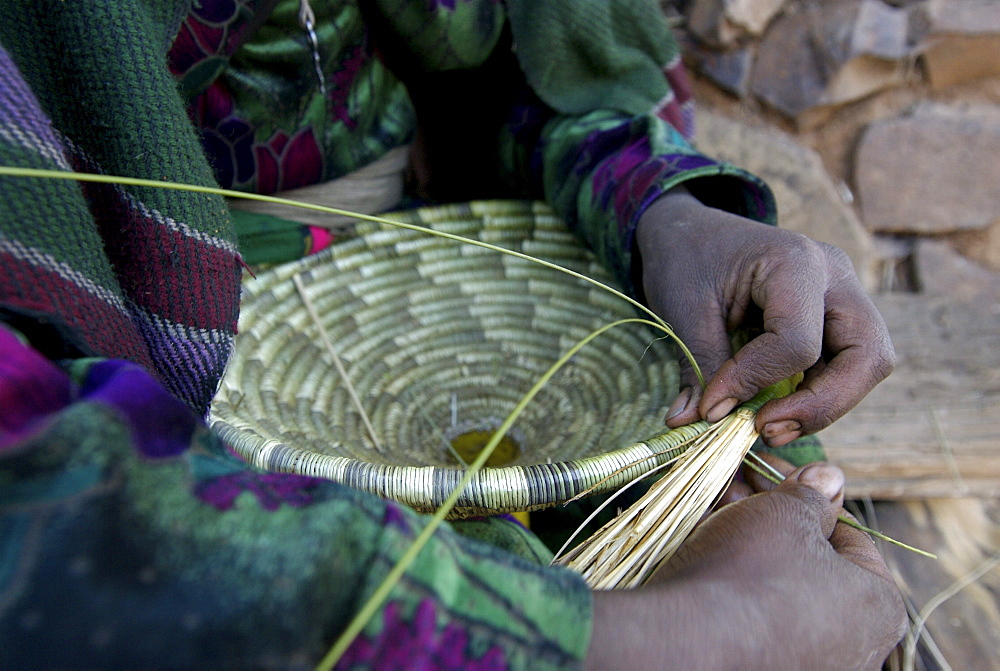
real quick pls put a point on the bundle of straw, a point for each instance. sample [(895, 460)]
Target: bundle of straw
[(629, 548)]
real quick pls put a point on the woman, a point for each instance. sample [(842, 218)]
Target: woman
[(134, 539)]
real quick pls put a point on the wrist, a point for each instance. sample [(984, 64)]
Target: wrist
[(674, 624), (656, 231), (669, 206)]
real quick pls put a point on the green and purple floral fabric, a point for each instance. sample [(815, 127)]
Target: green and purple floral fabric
[(268, 123)]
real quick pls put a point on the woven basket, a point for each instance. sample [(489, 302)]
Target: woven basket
[(440, 338)]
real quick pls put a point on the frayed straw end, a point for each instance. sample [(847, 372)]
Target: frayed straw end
[(628, 549)]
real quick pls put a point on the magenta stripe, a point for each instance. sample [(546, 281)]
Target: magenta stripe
[(164, 267), (95, 326)]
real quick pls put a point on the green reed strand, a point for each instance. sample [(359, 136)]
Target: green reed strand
[(381, 593), (768, 472), (216, 191)]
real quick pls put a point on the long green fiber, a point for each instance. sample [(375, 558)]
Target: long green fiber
[(10, 171), (765, 470), (383, 590), (381, 593)]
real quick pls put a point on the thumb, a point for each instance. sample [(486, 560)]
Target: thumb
[(821, 486)]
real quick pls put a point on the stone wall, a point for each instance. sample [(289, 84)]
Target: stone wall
[(877, 122)]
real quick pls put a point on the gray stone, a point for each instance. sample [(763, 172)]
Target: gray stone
[(729, 70), (788, 74), (932, 172), (830, 53), (964, 16), (808, 200), (942, 271), (880, 30)]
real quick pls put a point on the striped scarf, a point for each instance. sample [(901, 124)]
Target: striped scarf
[(148, 275)]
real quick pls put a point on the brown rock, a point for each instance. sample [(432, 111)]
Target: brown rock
[(942, 271), (830, 53), (952, 59), (933, 172), (723, 23), (961, 41), (752, 15), (981, 245), (808, 201), (707, 22)]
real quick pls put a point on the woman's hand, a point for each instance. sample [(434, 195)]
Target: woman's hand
[(708, 272), (771, 581)]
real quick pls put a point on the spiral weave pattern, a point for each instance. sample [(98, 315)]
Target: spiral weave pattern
[(440, 337)]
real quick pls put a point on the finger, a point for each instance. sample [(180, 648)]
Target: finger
[(779, 432), (863, 357), (860, 548), (709, 345), (760, 483), (821, 486), (684, 408), (793, 306), (886, 604), (736, 491)]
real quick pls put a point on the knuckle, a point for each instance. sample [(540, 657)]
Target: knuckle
[(892, 609), (839, 265), (790, 247), (753, 375), (803, 352), (884, 362), (836, 257), (821, 420), (881, 358), (814, 252), (902, 622), (802, 243), (799, 348), (813, 412), (816, 419)]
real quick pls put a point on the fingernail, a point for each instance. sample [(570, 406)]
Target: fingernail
[(679, 405), (825, 479), (721, 409), (776, 429)]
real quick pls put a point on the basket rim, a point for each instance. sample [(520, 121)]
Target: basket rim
[(493, 490), (536, 486)]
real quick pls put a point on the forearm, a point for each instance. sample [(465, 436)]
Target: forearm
[(672, 625)]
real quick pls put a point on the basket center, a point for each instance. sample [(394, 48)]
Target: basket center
[(470, 443)]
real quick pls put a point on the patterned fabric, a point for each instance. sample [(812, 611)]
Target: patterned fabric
[(265, 239), (131, 538), (265, 123), (582, 55), (268, 125)]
